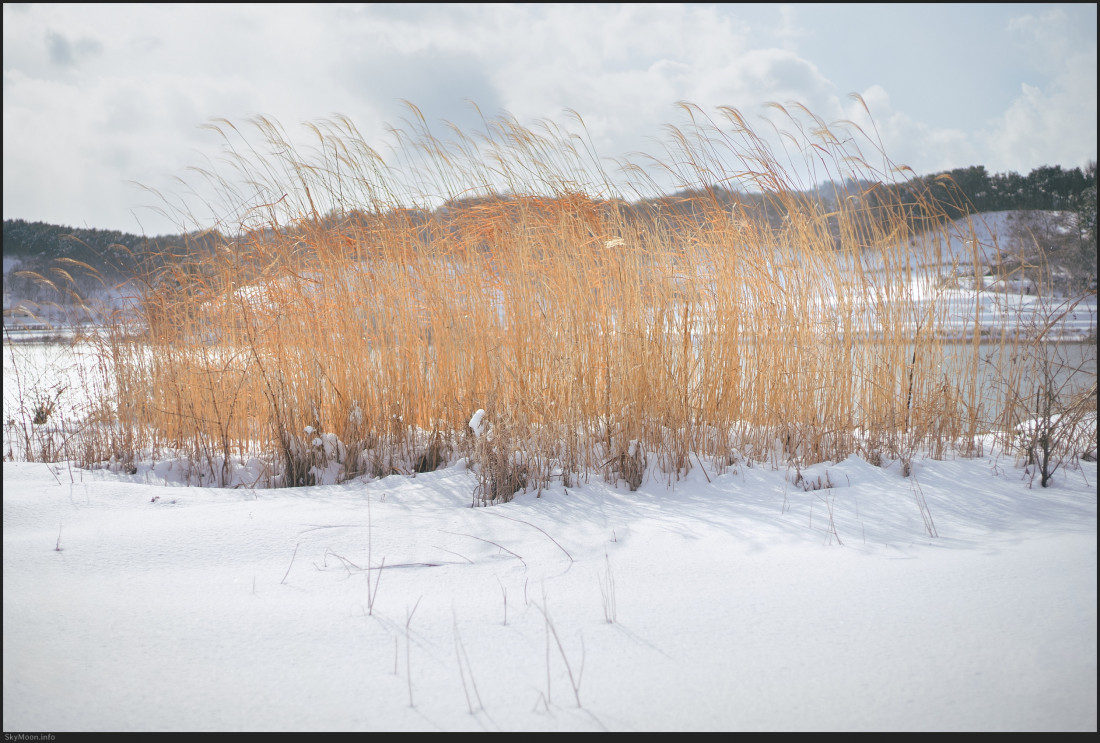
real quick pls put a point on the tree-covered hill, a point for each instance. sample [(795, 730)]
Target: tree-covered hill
[(112, 255)]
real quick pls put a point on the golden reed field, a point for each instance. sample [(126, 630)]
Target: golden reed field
[(351, 314)]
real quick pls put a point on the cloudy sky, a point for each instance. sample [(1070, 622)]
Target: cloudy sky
[(99, 97)]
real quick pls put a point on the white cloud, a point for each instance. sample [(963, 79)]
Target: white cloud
[(789, 31), (137, 81), (905, 140), (1052, 122)]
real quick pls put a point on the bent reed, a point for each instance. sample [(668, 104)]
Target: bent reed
[(350, 315)]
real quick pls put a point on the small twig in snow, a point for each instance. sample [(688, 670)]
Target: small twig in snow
[(408, 666), (521, 521), (288, 567), (471, 536)]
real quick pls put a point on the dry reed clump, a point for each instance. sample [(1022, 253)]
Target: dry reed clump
[(350, 324), (499, 458)]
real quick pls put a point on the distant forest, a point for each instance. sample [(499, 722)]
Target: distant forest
[(114, 255)]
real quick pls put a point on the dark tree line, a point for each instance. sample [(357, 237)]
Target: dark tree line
[(110, 252), (89, 262), (115, 255), (1050, 188), (972, 190)]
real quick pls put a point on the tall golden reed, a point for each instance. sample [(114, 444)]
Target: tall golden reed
[(344, 318)]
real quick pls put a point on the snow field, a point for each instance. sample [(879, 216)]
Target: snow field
[(745, 603)]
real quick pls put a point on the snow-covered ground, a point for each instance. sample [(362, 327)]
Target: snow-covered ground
[(993, 313), (993, 236), (842, 597), (736, 602), (943, 263)]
